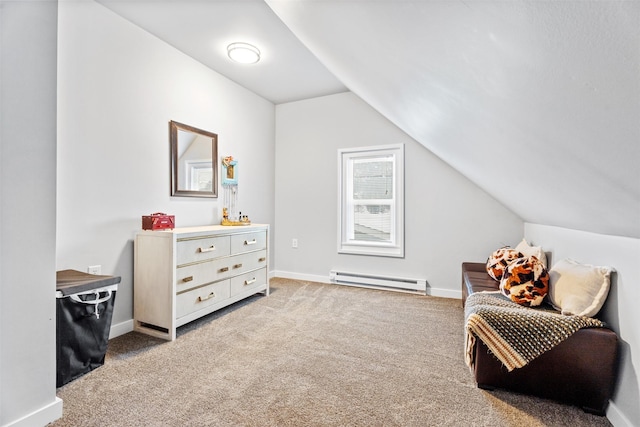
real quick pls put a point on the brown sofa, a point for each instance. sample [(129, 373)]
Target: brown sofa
[(580, 371)]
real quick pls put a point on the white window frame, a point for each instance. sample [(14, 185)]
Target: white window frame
[(347, 244), (195, 170)]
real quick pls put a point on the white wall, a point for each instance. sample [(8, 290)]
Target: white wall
[(620, 310), (448, 219), (27, 213), (118, 88)]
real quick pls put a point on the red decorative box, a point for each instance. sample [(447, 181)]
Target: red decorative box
[(158, 221)]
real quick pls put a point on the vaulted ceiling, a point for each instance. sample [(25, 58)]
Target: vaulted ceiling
[(537, 102)]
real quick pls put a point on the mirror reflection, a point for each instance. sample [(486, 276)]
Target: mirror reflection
[(193, 154)]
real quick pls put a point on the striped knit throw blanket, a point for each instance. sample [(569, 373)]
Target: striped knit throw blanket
[(516, 334)]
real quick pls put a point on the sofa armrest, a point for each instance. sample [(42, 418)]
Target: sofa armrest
[(474, 266), (476, 279)]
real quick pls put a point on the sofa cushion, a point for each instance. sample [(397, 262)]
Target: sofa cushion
[(499, 260), (525, 281), (476, 279), (578, 289), (527, 250), (479, 281)]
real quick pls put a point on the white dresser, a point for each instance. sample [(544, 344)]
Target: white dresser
[(186, 273)]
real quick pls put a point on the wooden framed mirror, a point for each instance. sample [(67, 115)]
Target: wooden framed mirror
[(194, 166)]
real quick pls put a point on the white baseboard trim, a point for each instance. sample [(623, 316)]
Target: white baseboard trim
[(121, 328), (301, 276), (616, 417), (444, 293), (41, 417), (435, 292)]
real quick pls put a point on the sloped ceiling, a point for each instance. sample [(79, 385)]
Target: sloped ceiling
[(203, 29), (538, 102)]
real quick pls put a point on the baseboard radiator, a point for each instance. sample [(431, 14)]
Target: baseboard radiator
[(379, 282)]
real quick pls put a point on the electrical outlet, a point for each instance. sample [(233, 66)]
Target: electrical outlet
[(94, 269), (294, 243)]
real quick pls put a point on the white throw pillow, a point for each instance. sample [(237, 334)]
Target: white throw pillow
[(527, 250), (578, 289)]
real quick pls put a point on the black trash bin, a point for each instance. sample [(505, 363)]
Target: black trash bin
[(84, 307)]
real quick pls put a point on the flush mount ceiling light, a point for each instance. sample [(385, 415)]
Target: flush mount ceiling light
[(243, 53)]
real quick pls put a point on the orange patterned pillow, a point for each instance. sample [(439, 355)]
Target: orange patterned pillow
[(525, 281), (499, 260)]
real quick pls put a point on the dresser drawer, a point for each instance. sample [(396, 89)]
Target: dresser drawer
[(248, 242), (247, 281), (203, 297), (192, 276), (245, 262), (200, 249)]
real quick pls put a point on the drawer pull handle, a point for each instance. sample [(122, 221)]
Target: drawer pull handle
[(187, 279), (248, 282), (223, 269), (211, 295), (252, 242), (262, 259), (209, 249), (237, 266)]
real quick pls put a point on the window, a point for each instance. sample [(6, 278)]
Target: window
[(372, 201)]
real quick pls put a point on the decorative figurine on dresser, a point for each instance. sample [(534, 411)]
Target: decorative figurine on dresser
[(185, 273)]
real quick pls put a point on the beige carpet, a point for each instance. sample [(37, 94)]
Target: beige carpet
[(308, 355)]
